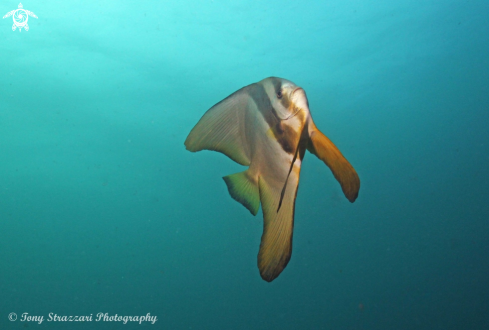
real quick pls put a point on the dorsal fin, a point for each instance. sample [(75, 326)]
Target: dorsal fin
[(222, 128)]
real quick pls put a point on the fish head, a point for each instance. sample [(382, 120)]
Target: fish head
[(287, 99)]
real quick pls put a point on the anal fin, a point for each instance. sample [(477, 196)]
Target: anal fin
[(278, 226), (244, 190)]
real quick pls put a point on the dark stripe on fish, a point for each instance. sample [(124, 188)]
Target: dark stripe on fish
[(284, 134)]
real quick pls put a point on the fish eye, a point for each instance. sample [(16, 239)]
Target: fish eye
[(279, 94)]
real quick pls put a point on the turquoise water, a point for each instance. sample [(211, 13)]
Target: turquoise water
[(102, 210)]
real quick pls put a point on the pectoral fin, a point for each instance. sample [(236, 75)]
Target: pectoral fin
[(325, 150), (244, 190)]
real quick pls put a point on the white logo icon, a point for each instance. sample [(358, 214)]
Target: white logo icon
[(20, 17)]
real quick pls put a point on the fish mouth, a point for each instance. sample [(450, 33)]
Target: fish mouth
[(297, 109), (295, 90)]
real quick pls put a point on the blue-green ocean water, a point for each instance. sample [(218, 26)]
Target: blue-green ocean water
[(102, 210)]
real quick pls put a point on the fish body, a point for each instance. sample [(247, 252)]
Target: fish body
[(267, 126)]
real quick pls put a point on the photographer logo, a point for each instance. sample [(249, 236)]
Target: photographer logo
[(20, 17)]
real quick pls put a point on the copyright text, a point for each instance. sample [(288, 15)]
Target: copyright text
[(99, 317)]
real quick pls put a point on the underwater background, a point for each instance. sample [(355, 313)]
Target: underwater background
[(102, 210)]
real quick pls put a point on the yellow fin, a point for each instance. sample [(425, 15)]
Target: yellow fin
[(244, 190), (342, 170), (276, 241)]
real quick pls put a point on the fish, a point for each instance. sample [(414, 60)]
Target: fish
[(267, 126)]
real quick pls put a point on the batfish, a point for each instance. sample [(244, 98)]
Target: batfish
[(267, 126)]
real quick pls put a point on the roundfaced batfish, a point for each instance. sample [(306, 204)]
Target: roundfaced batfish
[(267, 126)]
